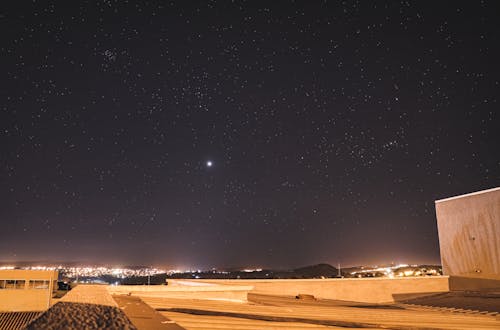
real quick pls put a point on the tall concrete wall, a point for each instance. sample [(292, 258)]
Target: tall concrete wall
[(469, 239), (371, 290)]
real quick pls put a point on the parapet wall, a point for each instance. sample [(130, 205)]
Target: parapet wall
[(181, 289), (370, 290)]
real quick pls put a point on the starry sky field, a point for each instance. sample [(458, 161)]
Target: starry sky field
[(242, 133)]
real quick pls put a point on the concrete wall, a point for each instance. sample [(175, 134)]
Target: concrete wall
[(185, 290), (469, 236), (370, 290), (26, 299)]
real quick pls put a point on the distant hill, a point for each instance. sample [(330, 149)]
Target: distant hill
[(316, 271), (313, 271)]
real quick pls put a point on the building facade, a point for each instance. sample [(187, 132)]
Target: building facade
[(26, 290)]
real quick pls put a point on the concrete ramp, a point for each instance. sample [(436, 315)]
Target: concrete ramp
[(143, 316)]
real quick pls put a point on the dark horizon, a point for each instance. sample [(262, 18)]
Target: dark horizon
[(242, 133)]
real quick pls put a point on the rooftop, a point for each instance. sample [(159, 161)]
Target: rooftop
[(93, 305), (162, 308)]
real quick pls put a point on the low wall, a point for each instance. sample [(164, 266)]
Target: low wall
[(370, 290), (185, 290)]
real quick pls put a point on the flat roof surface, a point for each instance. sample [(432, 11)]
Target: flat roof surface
[(273, 312), (467, 195), (89, 294), (437, 311)]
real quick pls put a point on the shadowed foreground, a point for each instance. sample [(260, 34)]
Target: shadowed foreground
[(466, 301), (17, 320), (65, 315)]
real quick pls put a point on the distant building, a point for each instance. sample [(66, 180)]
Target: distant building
[(26, 290), (469, 239)]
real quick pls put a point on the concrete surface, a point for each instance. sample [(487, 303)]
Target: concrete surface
[(272, 312), (280, 312), (185, 289), (469, 238), (372, 290), (143, 316), (90, 294)]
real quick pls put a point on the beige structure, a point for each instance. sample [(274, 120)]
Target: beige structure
[(369, 290), (96, 294), (469, 239), (187, 290), (204, 304), (285, 313), (26, 290)]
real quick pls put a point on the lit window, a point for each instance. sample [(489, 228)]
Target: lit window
[(14, 284), (39, 284)]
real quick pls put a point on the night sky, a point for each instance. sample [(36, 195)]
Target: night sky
[(235, 133)]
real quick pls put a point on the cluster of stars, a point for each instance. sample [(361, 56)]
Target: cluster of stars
[(291, 132)]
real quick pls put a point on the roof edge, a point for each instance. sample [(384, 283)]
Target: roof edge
[(467, 195)]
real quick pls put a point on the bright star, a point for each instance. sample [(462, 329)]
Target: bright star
[(209, 163)]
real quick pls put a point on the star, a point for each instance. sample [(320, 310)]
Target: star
[(151, 106)]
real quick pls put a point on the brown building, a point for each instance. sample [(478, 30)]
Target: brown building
[(26, 290)]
